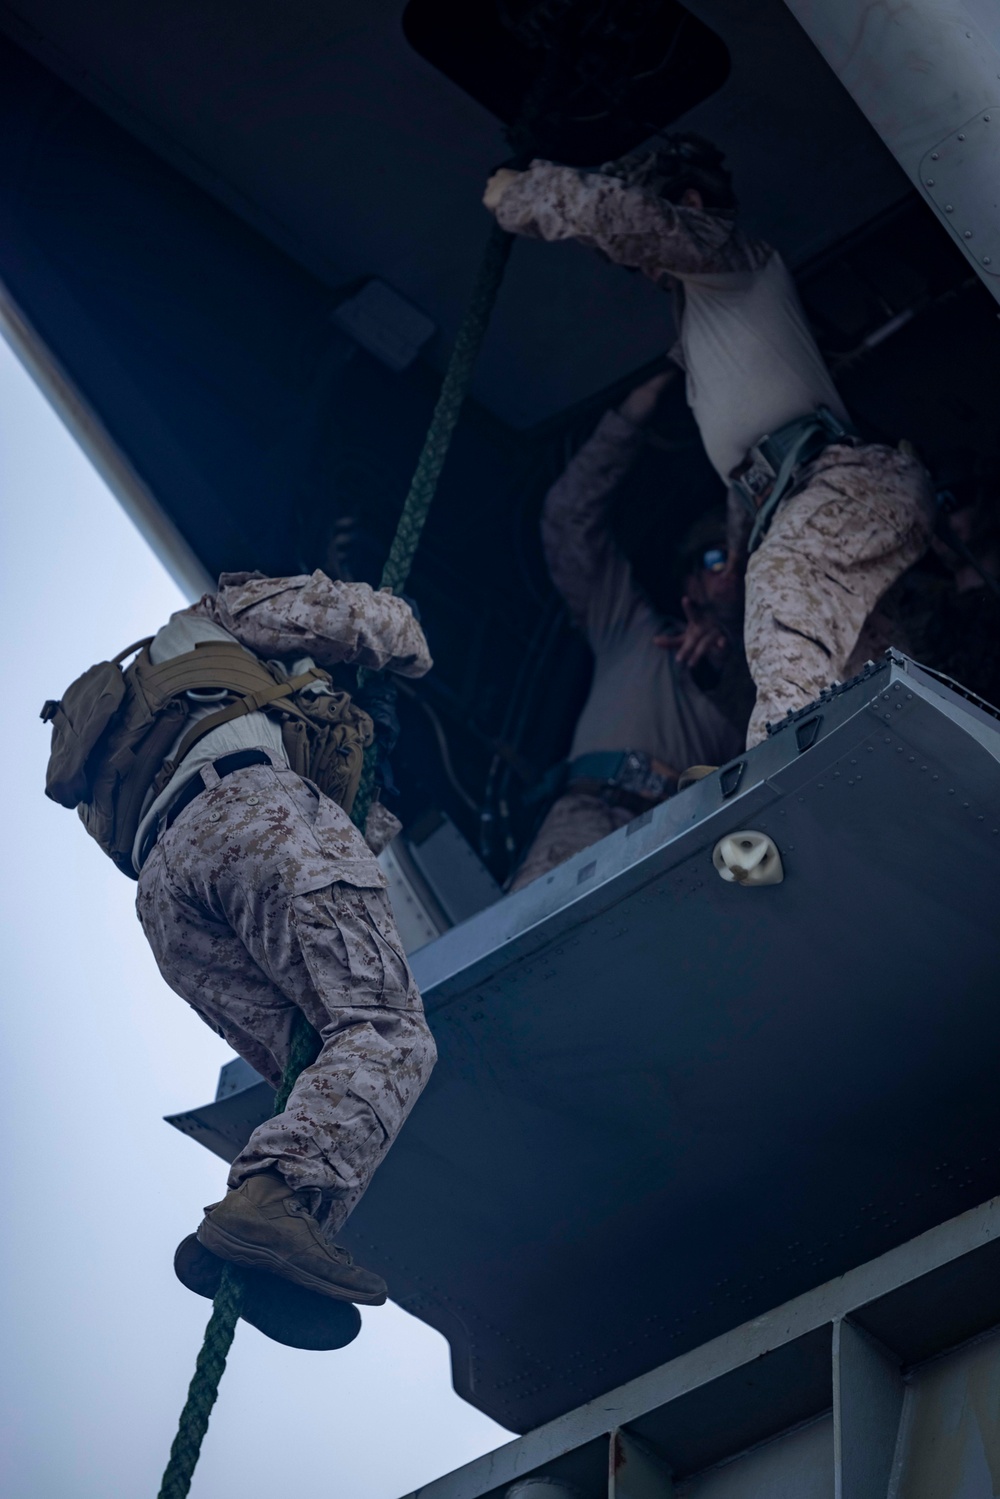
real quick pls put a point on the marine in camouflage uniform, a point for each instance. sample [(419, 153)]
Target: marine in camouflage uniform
[(858, 520), (946, 611), (261, 899), (860, 515), (642, 697)]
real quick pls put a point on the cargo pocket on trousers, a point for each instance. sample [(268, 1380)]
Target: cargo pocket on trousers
[(348, 941)]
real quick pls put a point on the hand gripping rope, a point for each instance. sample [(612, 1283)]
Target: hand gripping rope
[(204, 1388)]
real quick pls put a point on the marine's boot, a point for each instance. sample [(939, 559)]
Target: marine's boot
[(277, 1307), (264, 1224)]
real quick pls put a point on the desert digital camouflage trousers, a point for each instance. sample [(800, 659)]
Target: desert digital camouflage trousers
[(262, 899), (830, 554), (572, 823)]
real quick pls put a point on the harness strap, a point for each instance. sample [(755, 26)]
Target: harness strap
[(633, 772), (138, 645), (806, 436), (216, 663), (781, 484), (146, 767), (251, 703)]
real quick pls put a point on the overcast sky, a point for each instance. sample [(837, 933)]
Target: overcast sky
[(99, 1338)]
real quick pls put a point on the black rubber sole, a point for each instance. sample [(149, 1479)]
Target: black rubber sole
[(278, 1308)]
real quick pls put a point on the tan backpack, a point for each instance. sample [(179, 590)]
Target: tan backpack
[(114, 728)]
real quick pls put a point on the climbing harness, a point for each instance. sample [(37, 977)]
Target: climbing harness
[(773, 466), (204, 1387), (624, 778), (618, 777)]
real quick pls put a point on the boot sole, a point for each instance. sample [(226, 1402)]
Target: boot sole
[(256, 1257), (277, 1307)]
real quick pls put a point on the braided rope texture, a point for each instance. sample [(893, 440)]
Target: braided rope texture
[(454, 389), (203, 1390), (423, 486), (303, 1050), (365, 794), (305, 1043)]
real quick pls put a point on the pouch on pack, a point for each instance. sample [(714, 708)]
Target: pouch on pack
[(118, 731)]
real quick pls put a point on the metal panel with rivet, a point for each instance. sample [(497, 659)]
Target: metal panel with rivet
[(665, 1103)]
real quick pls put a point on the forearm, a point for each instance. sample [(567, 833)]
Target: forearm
[(576, 529), (632, 228), (332, 622)]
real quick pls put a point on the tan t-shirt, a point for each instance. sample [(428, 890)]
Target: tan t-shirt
[(640, 698), (181, 634), (750, 358)]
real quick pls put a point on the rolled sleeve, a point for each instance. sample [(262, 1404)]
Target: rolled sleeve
[(311, 615), (633, 228)]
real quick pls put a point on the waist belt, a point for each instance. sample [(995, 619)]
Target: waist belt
[(773, 465), (223, 766), (629, 773)]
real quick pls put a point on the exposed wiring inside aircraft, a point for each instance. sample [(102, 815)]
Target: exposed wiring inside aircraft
[(841, 363), (495, 819), (441, 737)]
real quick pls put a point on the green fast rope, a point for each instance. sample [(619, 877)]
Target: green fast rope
[(204, 1388), (454, 389), (302, 1052), (423, 486)]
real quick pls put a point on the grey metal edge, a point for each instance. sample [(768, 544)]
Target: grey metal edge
[(826, 1304)]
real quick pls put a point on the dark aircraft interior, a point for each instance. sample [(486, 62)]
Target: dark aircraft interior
[(237, 245), (196, 198)]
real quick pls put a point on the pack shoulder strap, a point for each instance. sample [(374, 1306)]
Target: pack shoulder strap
[(137, 645), (251, 703), (212, 664)]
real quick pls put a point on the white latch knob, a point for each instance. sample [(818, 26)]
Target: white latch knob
[(748, 858)]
